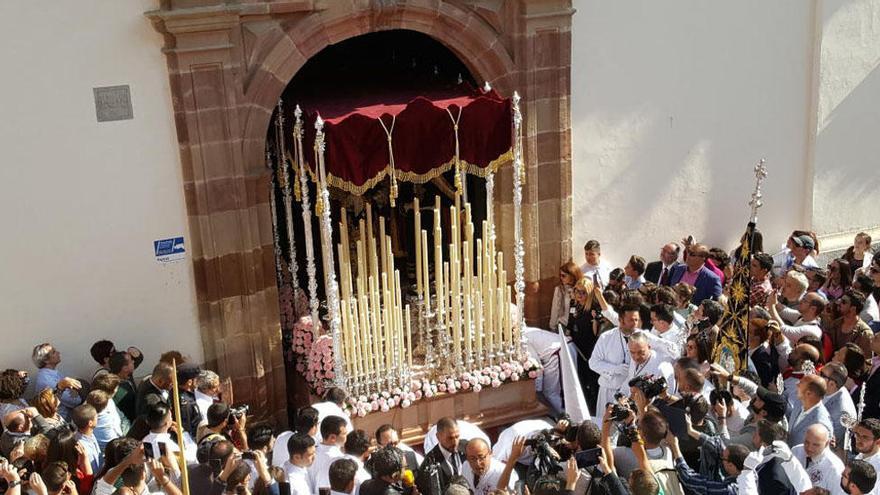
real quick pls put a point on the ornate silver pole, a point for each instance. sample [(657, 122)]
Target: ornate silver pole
[(331, 286), (518, 245), (756, 201), (306, 214), (273, 212), (284, 179)]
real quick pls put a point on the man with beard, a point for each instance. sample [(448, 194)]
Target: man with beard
[(867, 443), (611, 358), (858, 478)]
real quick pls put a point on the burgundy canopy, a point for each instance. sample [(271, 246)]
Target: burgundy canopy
[(423, 137)]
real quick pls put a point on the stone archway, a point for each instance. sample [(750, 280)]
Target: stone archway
[(228, 64)]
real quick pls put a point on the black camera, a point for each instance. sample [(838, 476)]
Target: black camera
[(650, 385), (629, 434), (236, 412)]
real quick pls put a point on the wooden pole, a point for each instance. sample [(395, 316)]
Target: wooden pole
[(184, 472)]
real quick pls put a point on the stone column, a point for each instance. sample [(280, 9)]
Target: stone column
[(227, 201)]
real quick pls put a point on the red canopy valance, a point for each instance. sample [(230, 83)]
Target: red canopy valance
[(423, 138)]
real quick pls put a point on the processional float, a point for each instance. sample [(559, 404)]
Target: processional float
[(459, 318)]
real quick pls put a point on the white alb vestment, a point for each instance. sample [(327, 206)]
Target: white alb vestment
[(319, 471), (825, 470), (657, 365), (489, 480), (610, 359), (328, 408), (298, 477)]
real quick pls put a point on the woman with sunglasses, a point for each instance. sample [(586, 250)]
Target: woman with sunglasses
[(839, 279), (569, 275), (584, 328)]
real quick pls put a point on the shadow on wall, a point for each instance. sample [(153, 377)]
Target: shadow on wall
[(670, 117), (847, 185)]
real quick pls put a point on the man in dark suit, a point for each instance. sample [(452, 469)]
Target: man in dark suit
[(872, 384), (446, 459), (154, 389), (658, 272), (386, 436), (694, 272)]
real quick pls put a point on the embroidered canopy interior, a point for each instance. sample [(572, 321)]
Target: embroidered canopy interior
[(423, 136)]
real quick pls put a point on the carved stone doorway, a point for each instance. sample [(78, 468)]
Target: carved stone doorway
[(229, 61)]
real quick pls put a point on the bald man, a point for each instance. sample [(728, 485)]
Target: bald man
[(645, 361), (810, 391), (658, 272), (482, 471), (823, 467)]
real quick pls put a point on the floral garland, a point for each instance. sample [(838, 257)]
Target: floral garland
[(470, 381)]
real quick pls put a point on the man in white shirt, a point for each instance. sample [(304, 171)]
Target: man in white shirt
[(301, 449), (334, 399), (666, 337), (822, 465), (611, 359), (342, 476), (646, 362), (334, 432), (159, 420), (810, 307), (482, 471), (867, 441), (357, 449), (207, 392), (595, 268)]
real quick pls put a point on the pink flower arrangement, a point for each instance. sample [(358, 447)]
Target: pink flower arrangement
[(319, 372), (473, 381), (303, 335)]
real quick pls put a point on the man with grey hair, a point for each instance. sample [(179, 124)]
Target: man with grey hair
[(646, 362), (47, 358), (837, 398), (815, 455), (207, 392)]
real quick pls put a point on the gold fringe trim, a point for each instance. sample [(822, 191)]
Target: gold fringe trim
[(339, 183)]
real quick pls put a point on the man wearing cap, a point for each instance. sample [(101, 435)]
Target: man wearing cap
[(765, 404), (190, 417), (799, 250)]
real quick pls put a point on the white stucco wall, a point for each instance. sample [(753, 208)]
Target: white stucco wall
[(672, 105), (847, 165), (81, 202)]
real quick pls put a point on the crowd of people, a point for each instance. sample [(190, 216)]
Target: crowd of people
[(802, 417)]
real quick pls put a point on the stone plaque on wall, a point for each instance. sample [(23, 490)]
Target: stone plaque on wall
[(113, 103)]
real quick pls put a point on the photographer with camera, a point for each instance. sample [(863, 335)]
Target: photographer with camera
[(641, 481), (226, 423)]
